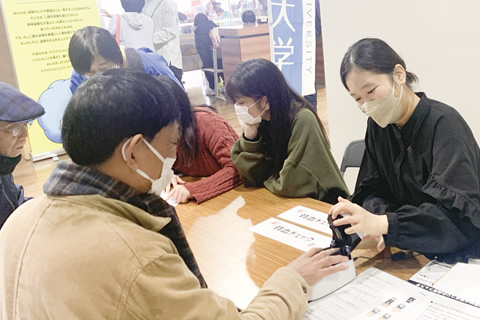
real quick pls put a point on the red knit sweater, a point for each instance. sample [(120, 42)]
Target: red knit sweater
[(215, 138)]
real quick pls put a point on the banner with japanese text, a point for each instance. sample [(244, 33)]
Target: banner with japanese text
[(292, 42), (39, 32)]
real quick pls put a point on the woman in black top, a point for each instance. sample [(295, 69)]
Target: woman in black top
[(418, 184), (203, 43)]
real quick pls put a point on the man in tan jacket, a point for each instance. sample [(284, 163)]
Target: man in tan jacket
[(101, 244)]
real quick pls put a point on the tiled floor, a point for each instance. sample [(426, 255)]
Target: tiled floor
[(33, 175)]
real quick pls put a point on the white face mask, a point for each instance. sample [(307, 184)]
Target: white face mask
[(158, 185), (385, 110), (244, 116)]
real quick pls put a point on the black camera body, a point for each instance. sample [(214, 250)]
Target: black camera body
[(344, 242)]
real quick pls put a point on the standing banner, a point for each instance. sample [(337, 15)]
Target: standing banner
[(39, 32), (292, 42)]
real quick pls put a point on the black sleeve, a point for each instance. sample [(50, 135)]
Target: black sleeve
[(451, 222), (372, 191)]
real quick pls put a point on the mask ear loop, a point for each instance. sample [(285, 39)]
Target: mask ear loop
[(140, 172), (155, 151), (123, 148), (393, 91)]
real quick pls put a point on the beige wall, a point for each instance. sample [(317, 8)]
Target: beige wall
[(439, 41), (6, 67)]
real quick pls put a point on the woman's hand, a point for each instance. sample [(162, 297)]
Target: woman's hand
[(250, 131), (179, 193), (176, 180), (377, 239), (313, 266), (360, 219)]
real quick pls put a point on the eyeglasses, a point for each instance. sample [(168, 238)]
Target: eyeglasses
[(15, 128)]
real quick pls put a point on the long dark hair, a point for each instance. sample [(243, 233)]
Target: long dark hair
[(257, 78), (375, 55), (188, 142), (188, 146)]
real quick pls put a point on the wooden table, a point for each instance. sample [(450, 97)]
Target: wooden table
[(236, 262)]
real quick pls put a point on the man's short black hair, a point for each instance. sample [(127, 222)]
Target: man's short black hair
[(133, 5), (89, 42), (249, 17), (112, 106)]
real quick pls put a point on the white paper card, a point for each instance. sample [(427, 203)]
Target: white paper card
[(170, 201), (462, 281), (291, 235), (308, 217), (430, 273)]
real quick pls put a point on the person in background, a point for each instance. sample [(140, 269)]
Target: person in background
[(203, 43), (214, 9), (136, 29), (167, 32), (244, 5), (419, 182), (93, 49), (203, 151), (262, 7), (210, 8), (16, 110), (284, 145), (182, 18), (249, 18), (97, 245)]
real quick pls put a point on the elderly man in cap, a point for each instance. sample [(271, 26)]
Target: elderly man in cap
[(16, 110)]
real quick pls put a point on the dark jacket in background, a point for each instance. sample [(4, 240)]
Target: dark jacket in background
[(203, 43), (11, 196)]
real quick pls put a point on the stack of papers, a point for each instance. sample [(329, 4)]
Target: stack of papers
[(375, 294)]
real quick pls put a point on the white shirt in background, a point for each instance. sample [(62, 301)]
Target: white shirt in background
[(166, 39), (136, 30)]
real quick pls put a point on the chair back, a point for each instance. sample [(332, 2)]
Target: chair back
[(353, 155)]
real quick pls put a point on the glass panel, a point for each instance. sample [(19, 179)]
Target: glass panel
[(222, 12)]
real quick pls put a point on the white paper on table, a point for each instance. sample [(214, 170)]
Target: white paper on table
[(308, 217), (170, 201), (462, 281), (374, 294), (291, 235), (430, 273), (473, 261)]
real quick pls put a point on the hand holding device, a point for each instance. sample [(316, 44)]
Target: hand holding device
[(344, 245), (359, 219)]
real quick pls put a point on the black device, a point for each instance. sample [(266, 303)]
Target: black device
[(344, 242)]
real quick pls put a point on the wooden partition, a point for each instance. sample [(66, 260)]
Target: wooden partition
[(239, 43)]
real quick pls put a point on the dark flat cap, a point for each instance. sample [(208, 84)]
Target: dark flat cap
[(17, 107)]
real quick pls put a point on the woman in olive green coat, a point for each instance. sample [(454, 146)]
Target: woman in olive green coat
[(284, 146)]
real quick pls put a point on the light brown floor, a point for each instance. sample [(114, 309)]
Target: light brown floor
[(32, 175)]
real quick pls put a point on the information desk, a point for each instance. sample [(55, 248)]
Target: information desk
[(236, 262), (239, 43)]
